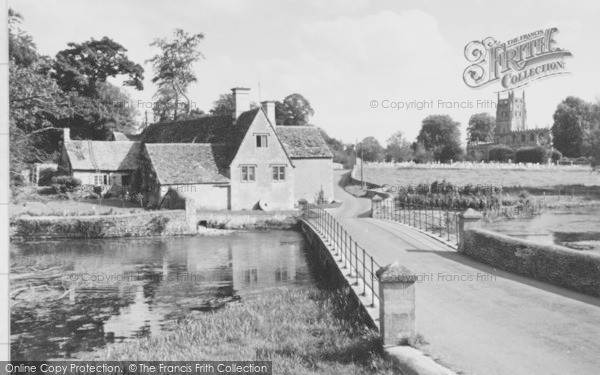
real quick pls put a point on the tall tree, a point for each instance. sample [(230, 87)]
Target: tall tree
[(398, 149), (21, 48), (481, 128), (35, 102), (294, 110), (173, 71), (574, 121), (440, 133), (370, 149), (83, 66), (98, 107)]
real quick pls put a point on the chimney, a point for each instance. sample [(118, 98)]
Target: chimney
[(241, 100), (268, 107), (66, 134)]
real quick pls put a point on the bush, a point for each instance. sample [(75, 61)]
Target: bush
[(451, 152), (158, 224), (537, 155), (65, 183), (46, 175), (500, 154)]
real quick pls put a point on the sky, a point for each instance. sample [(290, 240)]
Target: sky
[(345, 57)]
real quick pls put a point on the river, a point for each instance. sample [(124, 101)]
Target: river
[(76, 295), (577, 228)]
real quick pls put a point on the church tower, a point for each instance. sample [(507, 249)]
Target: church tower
[(511, 114)]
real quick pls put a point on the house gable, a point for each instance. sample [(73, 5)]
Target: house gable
[(263, 186), (248, 152)]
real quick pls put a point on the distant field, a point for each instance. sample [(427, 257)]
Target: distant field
[(508, 178)]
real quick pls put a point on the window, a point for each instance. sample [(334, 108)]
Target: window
[(532, 137), (125, 180), (279, 173), (248, 173), (250, 275), (262, 140), (100, 179), (523, 138)]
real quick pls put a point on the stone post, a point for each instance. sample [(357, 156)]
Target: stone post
[(468, 219), (376, 207), (397, 320)]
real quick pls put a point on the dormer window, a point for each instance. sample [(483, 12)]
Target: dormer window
[(262, 140)]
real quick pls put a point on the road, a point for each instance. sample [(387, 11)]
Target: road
[(476, 319)]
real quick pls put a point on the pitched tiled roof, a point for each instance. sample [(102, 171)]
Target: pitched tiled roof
[(208, 129), (303, 141), (188, 163), (87, 155)]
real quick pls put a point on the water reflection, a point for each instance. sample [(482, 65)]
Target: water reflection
[(115, 290), (577, 228)]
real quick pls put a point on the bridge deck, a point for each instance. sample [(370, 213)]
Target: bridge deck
[(478, 320)]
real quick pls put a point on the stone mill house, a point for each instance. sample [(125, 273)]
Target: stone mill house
[(238, 162)]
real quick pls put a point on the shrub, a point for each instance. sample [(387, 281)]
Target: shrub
[(320, 197), (46, 175), (158, 224), (65, 183), (500, 154), (537, 155), (451, 152)]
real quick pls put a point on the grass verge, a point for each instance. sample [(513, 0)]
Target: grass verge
[(303, 331)]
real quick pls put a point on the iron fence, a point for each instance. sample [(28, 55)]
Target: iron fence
[(353, 257), (439, 220)]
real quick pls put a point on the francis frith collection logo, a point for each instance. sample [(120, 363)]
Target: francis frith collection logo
[(514, 63)]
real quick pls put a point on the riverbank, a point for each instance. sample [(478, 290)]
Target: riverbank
[(148, 223), (303, 331)]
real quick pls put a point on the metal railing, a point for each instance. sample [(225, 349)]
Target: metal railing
[(353, 257), (442, 221)]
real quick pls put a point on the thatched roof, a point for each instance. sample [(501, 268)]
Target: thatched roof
[(303, 142), (188, 163), (107, 156)]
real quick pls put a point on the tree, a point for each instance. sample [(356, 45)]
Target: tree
[(481, 128), (35, 102), (173, 71), (224, 106), (398, 149), (111, 109), (294, 110), (575, 120), (97, 107), (370, 149), (342, 153), (440, 133), (21, 48), (83, 66)]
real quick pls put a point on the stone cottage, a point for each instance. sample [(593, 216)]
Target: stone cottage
[(110, 165), (237, 162)]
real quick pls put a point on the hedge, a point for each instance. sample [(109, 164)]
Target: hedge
[(538, 155), (501, 154)]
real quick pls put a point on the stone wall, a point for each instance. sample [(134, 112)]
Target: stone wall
[(558, 265), (330, 274), (156, 223)]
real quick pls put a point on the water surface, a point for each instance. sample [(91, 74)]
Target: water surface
[(577, 228), (77, 295)]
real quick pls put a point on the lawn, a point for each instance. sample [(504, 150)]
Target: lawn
[(303, 331), (550, 178)]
